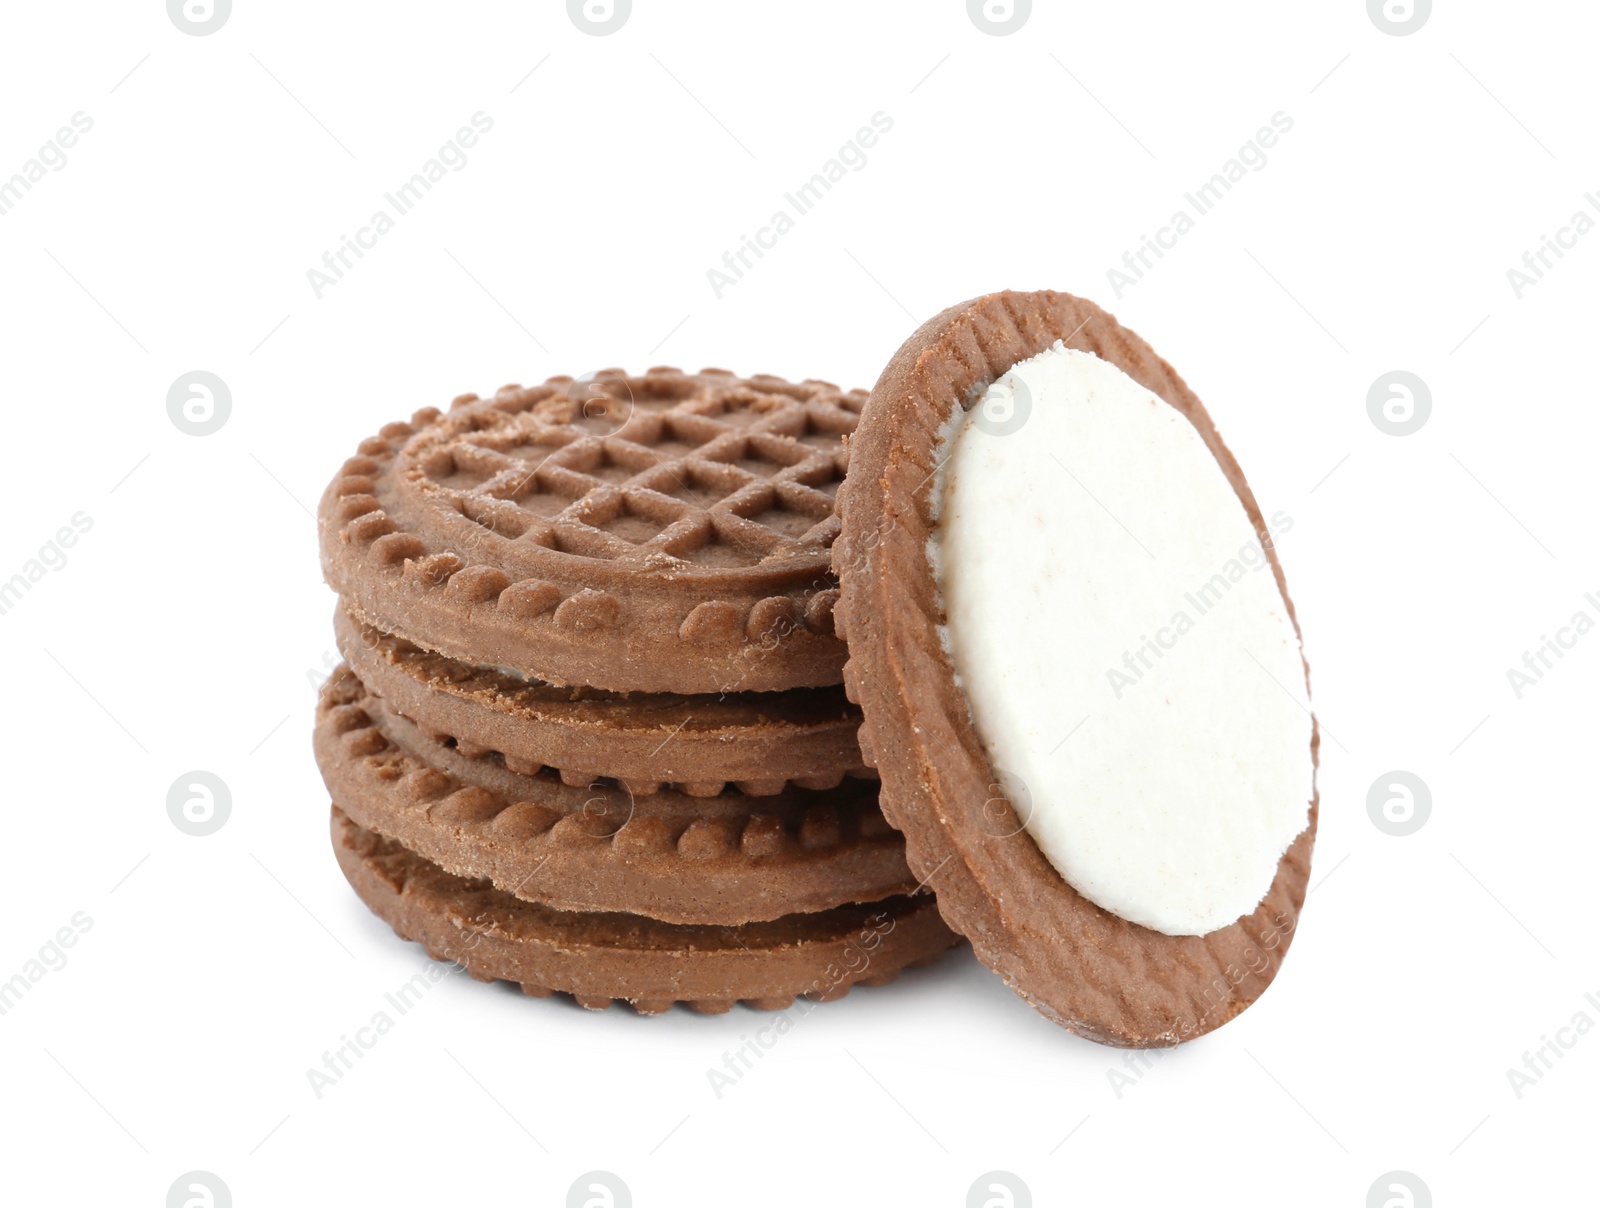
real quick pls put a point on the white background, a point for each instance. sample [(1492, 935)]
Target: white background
[(189, 624)]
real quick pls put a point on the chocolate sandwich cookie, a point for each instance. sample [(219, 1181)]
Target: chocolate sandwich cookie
[(1051, 564), (727, 859), (759, 742), (600, 958), (665, 532)]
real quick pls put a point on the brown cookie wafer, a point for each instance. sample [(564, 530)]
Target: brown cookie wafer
[(1097, 974), (698, 744), (727, 859), (665, 532), (599, 958)]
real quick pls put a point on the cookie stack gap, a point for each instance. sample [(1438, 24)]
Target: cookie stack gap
[(590, 735)]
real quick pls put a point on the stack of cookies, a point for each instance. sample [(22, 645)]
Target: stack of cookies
[(590, 734)]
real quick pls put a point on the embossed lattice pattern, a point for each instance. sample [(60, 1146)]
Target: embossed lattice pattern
[(657, 532), (652, 470)]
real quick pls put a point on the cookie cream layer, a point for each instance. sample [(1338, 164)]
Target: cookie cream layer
[(1130, 663)]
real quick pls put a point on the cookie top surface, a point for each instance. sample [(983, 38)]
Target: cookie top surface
[(965, 820), (654, 532)]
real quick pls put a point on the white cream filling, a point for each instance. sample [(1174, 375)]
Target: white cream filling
[(1130, 664)]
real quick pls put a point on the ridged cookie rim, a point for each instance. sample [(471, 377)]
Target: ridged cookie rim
[(478, 707), (721, 861), (747, 973)]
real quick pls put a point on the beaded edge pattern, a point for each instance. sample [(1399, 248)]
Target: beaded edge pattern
[(442, 799), (353, 518), (407, 662), (390, 866)]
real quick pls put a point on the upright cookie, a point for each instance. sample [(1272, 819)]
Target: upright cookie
[(666, 532), (1091, 622), (601, 958), (727, 859)]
